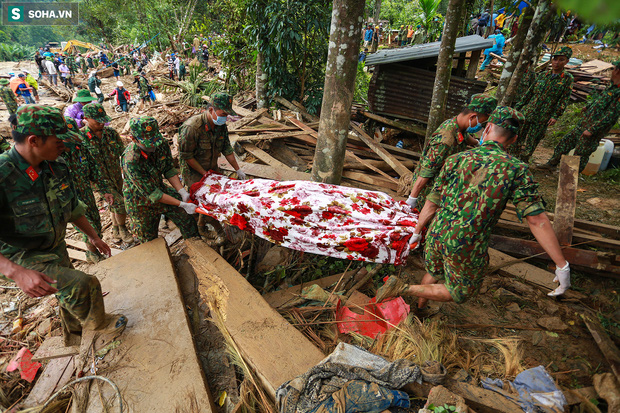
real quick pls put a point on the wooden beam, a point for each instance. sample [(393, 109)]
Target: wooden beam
[(296, 108), (604, 343), (265, 157), (246, 120), (53, 348), (370, 166), (566, 200), (57, 373), (379, 183), (472, 69), (396, 124), (267, 136), (266, 171), (274, 349), (394, 163)]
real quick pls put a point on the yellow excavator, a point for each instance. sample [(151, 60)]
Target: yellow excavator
[(71, 46)]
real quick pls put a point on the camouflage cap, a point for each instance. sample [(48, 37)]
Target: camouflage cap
[(564, 51), (40, 120), (4, 81), (482, 104), (135, 73), (72, 134), (96, 112), (146, 131), (223, 101), (502, 113)]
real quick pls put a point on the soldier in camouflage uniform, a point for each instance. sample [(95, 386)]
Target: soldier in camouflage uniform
[(70, 60), (202, 138), (8, 97), (145, 162), (37, 200), (143, 87), (106, 147), (127, 65), (451, 137), (599, 116), (544, 103), (84, 171), (83, 65), (467, 200)]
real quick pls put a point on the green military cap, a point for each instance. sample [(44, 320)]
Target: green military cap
[(506, 31), (83, 95), (564, 51), (223, 101), (40, 120), (135, 73), (482, 104), (502, 113), (73, 132), (146, 131), (4, 81), (96, 112)]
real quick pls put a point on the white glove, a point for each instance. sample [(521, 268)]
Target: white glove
[(189, 208), (414, 241), (562, 275), (184, 194), (241, 175), (412, 202)]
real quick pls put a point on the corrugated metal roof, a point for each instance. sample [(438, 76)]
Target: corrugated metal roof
[(402, 54), (405, 92)]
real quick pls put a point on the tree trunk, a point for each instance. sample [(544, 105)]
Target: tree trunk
[(340, 71), (515, 51), (444, 66), (261, 81), (491, 24), (377, 12), (375, 45), (533, 39)]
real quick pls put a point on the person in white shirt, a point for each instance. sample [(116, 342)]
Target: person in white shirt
[(51, 70)]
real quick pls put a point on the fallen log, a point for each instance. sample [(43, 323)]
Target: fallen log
[(604, 343), (396, 124)]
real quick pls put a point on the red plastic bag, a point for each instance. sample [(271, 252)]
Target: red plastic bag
[(23, 361), (376, 319)]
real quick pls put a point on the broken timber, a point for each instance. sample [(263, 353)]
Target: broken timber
[(604, 343), (566, 202), (401, 169), (275, 350), (396, 124)]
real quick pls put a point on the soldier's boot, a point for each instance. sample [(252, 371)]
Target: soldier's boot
[(393, 287), (116, 236), (125, 234), (94, 257)]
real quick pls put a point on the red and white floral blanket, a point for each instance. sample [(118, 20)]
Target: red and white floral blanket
[(332, 220)]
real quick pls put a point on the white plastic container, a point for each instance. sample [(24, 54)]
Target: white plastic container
[(594, 162), (609, 150)]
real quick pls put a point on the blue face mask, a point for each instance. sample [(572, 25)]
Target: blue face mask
[(221, 120), (475, 128)]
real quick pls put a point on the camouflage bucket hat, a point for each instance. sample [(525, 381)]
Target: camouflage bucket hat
[(4, 81), (73, 133), (40, 120), (146, 131), (96, 112), (502, 114), (482, 104), (223, 101), (83, 95), (564, 51)]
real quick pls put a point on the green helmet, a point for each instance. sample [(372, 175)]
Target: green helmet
[(502, 113), (135, 73), (96, 112), (146, 131), (4, 81), (83, 95), (40, 120), (482, 104), (223, 101)]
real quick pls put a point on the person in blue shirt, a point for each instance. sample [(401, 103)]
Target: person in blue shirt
[(24, 89), (368, 35), (498, 47)]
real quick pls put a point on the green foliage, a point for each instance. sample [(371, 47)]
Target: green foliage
[(15, 52), (567, 121), (442, 409), (194, 88), (362, 80), (430, 19), (595, 11)]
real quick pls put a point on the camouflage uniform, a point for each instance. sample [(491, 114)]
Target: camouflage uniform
[(83, 65), (34, 210), (8, 97), (599, 116), (106, 151), (4, 144), (446, 141), (529, 77), (547, 98), (127, 65), (471, 192), (143, 86), (144, 187), (83, 170), (70, 60)]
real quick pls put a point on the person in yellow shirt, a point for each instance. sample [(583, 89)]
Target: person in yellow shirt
[(30, 80)]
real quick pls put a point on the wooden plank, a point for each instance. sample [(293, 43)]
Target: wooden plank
[(394, 163), (604, 343), (268, 136), (600, 263), (53, 348), (522, 270), (173, 236), (76, 255), (275, 350), (296, 108), (155, 366), (246, 120), (370, 166), (396, 124), (81, 245), (378, 182), (265, 157), (56, 374), (281, 151), (566, 201), (265, 171), (265, 128), (472, 69)]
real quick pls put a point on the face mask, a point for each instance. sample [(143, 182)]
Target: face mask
[(475, 128), (221, 120)]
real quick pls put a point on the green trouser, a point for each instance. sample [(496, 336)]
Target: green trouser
[(530, 135), (583, 146), (79, 294)]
